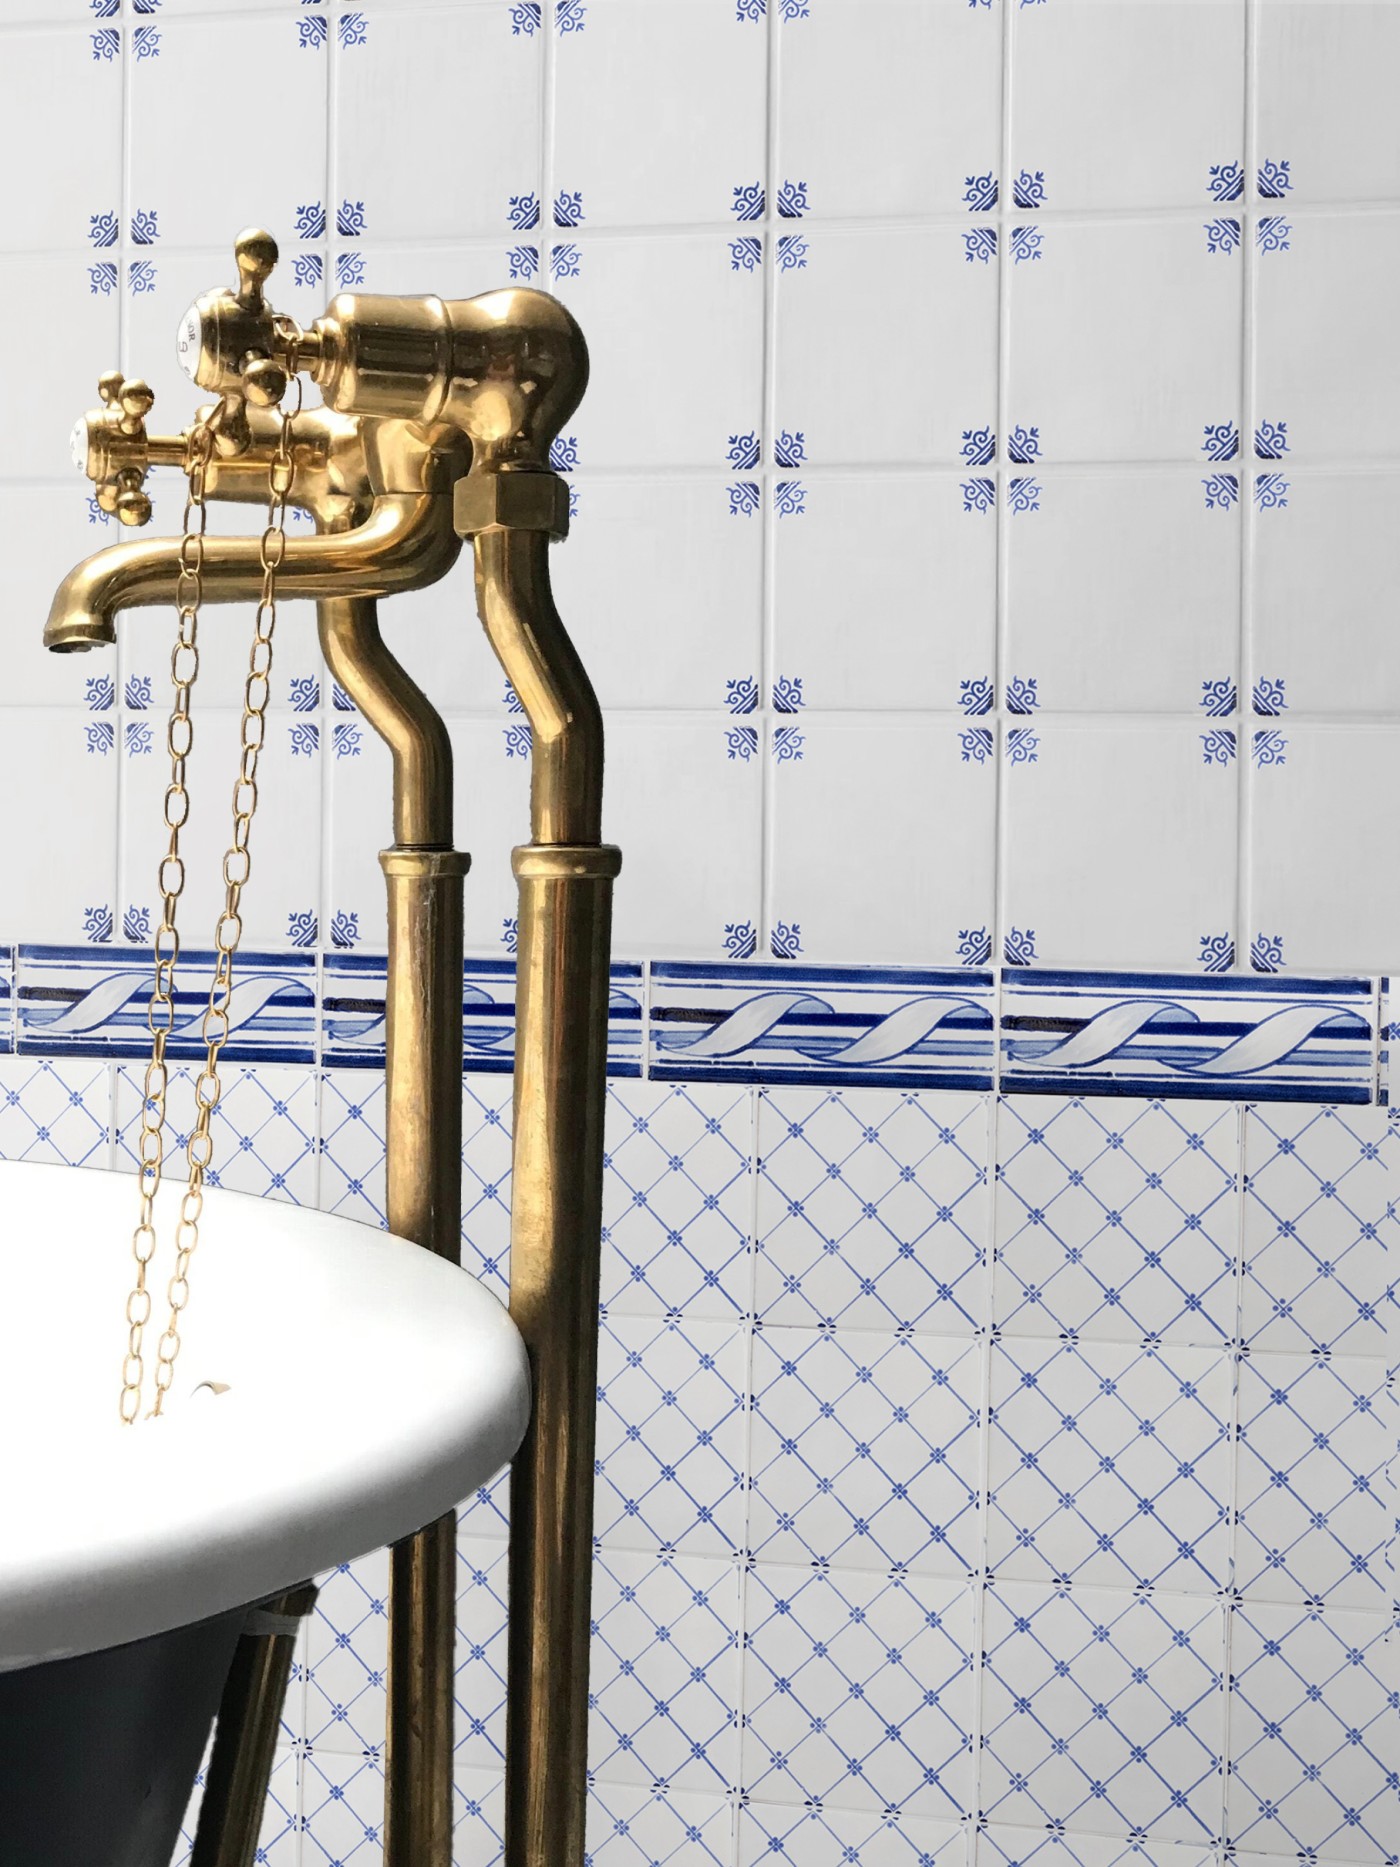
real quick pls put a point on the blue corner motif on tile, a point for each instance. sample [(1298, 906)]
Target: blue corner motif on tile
[(789, 1023), (1147, 1034)]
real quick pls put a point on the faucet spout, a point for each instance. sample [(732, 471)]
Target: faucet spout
[(405, 541)]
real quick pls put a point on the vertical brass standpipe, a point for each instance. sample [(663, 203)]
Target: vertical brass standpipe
[(565, 878), (423, 1090)]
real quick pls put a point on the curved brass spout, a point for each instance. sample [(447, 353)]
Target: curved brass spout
[(406, 541)]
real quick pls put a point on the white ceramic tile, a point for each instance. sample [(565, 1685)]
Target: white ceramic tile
[(1315, 1508), (660, 586), (480, 1688), (347, 1658), (671, 1435), (926, 394), (907, 619), (279, 169), (686, 286), (1158, 100), (44, 532), (1317, 818), (1314, 1733), (636, 1827), (920, 109), (66, 196), (832, 1837), (352, 1144), (80, 309), (62, 764), (872, 1210), (393, 184), (1103, 1712), (1324, 98), (858, 1692), (678, 1200), (486, 1163), (859, 793), (664, 1671), (1323, 363), (1323, 575), (1318, 1224), (342, 1807), (865, 1451), (491, 785), (283, 882), (677, 893), (478, 1836), (55, 1112), (1000, 1846), (670, 153), (1119, 839), (1155, 628), (264, 1129), (1117, 1220), (1125, 339), (1110, 1465)]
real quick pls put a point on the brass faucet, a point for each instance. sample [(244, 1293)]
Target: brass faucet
[(437, 425)]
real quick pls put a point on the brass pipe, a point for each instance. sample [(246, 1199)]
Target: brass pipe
[(245, 1738), (565, 881)]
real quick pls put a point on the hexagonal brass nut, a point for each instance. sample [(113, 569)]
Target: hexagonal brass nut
[(521, 501)]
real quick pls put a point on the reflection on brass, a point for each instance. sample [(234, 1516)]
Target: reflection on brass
[(437, 426)]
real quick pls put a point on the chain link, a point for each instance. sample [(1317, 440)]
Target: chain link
[(228, 931)]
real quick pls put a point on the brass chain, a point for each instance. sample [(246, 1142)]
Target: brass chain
[(237, 864)]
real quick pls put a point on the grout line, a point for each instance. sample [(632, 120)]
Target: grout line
[(1244, 854), (768, 434)]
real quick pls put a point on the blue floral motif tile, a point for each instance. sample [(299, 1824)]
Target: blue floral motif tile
[(1315, 1509), (865, 1451), (858, 1690), (1152, 1034), (1314, 1734), (1109, 1465), (632, 1826), (872, 1210), (835, 1025), (1117, 1220), (60, 1112), (1319, 1228), (678, 1201), (773, 1834), (671, 1435), (353, 1032), (86, 1002), (1104, 1712), (264, 1129), (664, 1684)]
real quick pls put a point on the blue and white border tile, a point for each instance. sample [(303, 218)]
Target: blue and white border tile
[(835, 1025), (91, 1001), (1150, 1034), (7, 988), (352, 1014)]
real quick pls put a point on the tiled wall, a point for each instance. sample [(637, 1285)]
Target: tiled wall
[(982, 550)]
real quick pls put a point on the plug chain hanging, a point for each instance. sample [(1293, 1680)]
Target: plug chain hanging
[(228, 931)]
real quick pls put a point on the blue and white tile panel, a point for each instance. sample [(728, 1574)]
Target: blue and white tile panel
[(1275, 1037)]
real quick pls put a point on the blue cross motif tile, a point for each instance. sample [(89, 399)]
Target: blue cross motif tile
[(671, 1435), (479, 1818), (1315, 1506), (1109, 1465), (342, 1807), (1052, 1847), (352, 1145), (1314, 1734), (872, 1209), (1103, 1712), (633, 1826), (773, 1834), (263, 1131), (480, 1683), (1117, 1220), (486, 1163), (865, 1451), (1319, 1219), (55, 1111), (664, 1680), (678, 1201), (347, 1658), (858, 1691)]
